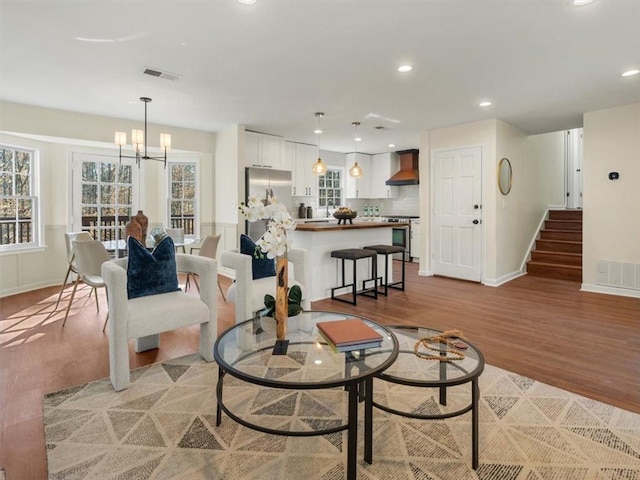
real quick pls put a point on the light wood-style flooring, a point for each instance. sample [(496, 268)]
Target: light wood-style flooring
[(545, 329)]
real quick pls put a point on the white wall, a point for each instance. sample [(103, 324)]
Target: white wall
[(548, 150), (611, 222), (227, 179), (56, 134)]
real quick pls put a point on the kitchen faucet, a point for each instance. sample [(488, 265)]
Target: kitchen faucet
[(329, 202)]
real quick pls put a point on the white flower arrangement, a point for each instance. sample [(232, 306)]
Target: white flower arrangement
[(274, 242)]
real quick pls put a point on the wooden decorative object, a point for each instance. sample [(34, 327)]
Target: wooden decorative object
[(282, 300), (143, 220), (134, 229)]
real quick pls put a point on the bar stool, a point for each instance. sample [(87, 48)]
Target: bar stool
[(387, 250), (355, 254)]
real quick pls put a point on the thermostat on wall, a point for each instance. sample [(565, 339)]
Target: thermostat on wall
[(614, 175)]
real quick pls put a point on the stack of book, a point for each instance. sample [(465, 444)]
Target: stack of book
[(349, 334)]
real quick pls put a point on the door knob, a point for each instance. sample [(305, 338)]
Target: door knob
[(475, 222), (476, 207)]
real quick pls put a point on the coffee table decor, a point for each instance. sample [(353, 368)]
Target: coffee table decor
[(444, 354)]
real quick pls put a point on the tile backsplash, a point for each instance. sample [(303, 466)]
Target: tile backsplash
[(407, 203)]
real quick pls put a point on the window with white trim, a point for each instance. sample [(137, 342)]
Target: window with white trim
[(183, 204), (104, 195), (330, 189), (19, 195)]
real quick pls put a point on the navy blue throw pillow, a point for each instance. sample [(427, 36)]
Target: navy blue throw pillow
[(261, 267), (150, 273)]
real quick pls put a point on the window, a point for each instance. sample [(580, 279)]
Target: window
[(19, 224), (330, 189), (182, 197), (106, 192)]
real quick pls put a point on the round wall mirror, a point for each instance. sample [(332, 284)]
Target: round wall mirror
[(504, 176)]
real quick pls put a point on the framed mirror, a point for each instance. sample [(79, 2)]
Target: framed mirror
[(505, 176)]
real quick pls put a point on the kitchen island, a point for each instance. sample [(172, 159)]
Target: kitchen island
[(321, 238)]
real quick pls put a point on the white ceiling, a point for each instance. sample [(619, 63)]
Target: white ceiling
[(270, 66)]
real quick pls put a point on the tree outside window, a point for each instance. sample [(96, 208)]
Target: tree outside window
[(182, 197), (106, 199), (18, 198)]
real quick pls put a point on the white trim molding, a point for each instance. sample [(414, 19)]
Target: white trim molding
[(623, 292)]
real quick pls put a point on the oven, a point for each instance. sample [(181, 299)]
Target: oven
[(401, 236)]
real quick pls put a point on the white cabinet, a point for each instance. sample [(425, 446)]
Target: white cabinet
[(383, 166), (358, 187), (261, 150), (302, 157), (415, 239)]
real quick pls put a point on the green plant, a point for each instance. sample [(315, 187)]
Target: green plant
[(295, 299)]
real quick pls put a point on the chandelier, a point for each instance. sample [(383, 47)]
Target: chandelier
[(139, 141), (356, 171), (319, 167)]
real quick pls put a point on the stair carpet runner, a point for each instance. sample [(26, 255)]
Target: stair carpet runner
[(558, 251)]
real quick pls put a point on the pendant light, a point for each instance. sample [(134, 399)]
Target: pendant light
[(356, 171), (139, 141), (319, 167)]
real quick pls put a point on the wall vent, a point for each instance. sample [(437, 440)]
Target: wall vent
[(618, 274), (155, 72)]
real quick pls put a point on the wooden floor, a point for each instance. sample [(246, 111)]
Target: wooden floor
[(545, 329)]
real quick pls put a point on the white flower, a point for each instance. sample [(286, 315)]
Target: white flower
[(274, 242)]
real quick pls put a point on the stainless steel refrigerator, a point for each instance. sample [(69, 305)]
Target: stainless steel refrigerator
[(265, 183)]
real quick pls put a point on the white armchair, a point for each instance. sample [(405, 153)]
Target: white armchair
[(248, 294), (144, 318)]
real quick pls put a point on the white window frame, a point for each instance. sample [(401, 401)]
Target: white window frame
[(196, 200), (76, 185), (37, 227), (342, 189)]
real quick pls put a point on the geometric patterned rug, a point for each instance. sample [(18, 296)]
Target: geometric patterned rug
[(163, 427)]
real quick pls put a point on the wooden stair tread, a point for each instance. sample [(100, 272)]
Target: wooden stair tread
[(554, 265), (553, 252), (574, 242)]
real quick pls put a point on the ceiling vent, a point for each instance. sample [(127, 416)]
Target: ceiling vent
[(154, 72)]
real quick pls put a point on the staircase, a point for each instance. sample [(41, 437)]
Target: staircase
[(558, 251)]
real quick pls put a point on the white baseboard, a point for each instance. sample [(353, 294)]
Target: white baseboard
[(623, 292), (425, 273), (496, 282), (26, 288)]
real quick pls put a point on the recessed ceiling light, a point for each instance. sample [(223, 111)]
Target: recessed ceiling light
[(317, 131), (358, 139), (391, 145), (630, 73), (247, 2), (405, 68), (579, 3), (485, 104)]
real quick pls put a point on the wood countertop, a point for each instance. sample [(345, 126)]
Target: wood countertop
[(331, 227)]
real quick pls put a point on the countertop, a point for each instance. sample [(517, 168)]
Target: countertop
[(328, 227)]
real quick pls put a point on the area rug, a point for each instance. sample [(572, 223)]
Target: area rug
[(163, 427)]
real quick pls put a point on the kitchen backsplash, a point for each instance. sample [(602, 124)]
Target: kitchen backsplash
[(407, 203)]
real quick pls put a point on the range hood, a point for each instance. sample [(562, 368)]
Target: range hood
[(408, 174)]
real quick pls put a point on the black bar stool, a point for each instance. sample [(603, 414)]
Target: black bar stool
[(387, 250), (355, 254)]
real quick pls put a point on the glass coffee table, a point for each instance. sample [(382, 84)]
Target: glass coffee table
[(411, 370), (245, 352)]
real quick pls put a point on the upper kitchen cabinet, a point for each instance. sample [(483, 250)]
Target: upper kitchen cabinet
[(261, 150), (383, 166), (302, 157), (358, 187)]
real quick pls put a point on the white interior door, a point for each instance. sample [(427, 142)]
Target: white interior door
[(457, 213), (574, 168)]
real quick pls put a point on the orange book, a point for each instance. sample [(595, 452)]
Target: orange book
[(351, 331)]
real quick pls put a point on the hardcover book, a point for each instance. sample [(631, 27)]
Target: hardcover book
[(349, 347), (351, 331)]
